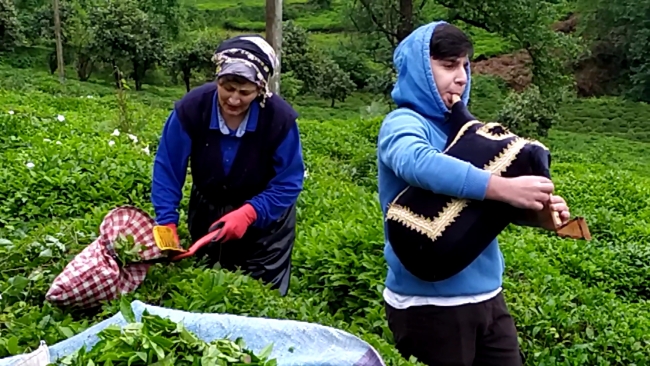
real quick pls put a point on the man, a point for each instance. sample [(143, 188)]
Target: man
[(462, 320)]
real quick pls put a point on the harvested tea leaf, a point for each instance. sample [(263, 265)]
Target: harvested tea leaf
[(161, 342), (127, 250)]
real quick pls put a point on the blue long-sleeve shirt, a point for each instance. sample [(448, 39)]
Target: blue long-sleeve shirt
[(170, 168)]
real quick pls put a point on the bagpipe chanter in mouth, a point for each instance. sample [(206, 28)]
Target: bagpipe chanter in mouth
[(436, 236)]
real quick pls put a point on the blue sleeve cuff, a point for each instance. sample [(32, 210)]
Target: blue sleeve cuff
[(476, 183), (262, 216)]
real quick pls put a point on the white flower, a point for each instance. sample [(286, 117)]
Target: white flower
[(60, 118), (58, 142), (111, 143), (115, 132), (306, 173), (47, 140), (30, 165), (146, 150), (11, 112), (89, 96), (134, 138)]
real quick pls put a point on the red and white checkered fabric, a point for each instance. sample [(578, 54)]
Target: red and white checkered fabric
[(93, 275)]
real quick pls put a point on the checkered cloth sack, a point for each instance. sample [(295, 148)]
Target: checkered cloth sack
[(94, 275)]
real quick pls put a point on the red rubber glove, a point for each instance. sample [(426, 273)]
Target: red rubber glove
[(172, 226), (236, 223)]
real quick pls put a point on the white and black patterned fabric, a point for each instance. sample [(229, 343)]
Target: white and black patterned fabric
[(251, 51)]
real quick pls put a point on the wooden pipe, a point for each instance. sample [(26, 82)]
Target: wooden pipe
[(575, 228)]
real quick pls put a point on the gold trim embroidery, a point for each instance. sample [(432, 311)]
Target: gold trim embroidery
[(487, 131), (434, 228)]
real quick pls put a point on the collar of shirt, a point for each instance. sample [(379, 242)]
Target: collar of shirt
[(249, 123)]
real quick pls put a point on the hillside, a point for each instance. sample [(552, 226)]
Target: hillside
[(329, 29), (564, 294)]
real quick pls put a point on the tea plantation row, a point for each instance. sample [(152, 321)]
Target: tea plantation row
[(575, 302)]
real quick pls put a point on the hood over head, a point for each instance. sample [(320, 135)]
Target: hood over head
[(415, 87)]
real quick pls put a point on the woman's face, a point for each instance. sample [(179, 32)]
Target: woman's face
[(235, 96)]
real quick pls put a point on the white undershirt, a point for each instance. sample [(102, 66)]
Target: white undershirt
[(402, 302)]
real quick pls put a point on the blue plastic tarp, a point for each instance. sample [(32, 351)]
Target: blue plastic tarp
[(294, 343)]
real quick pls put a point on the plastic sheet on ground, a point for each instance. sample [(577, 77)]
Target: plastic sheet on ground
[(294, 343)]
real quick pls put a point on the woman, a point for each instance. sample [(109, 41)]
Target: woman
[(246, 164)]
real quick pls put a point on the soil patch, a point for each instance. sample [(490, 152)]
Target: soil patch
[(513, 68)]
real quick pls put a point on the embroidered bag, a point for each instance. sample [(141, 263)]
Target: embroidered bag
[(436, 236)]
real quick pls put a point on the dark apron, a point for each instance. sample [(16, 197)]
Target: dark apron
[(264, 254)]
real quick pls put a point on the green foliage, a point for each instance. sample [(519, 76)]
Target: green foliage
[(80, 40), (618, 34), (123, 31), (318, 109), (608, 116), (486, 44), (321, 4), (298, 55), (370, 29), (382, 18), (193, 54), (347, 57), (384, 26), (249, 16), (290, 86), (317, 71), (158, 340), (10, 27), (332, 81), (527, 25), (527, 113)]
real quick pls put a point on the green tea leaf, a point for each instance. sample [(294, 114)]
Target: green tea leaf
[(266, 351), (127, 310)]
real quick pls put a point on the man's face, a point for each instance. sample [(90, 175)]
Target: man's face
[(235, 98), (450, 77)]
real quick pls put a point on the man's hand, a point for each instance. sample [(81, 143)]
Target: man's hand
[(544, 218), (555, 204), (525, 192)]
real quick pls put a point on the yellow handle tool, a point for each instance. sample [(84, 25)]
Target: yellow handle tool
[(165, 239)]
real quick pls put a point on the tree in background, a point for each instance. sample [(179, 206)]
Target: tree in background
[(332, 83), (525, 24), (125, 34), (298, 55), (193, 54), (619, 37), (10, 27)]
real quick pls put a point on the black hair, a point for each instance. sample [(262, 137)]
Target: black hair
[(449, 42)]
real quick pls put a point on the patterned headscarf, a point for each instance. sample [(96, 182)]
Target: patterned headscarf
[(249, 56)]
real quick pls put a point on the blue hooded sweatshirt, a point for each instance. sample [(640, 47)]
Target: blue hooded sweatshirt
[(410, 142)]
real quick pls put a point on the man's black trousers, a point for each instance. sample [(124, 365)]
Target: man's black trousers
[(480, 334)]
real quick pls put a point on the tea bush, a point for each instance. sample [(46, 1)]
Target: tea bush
[(574, 302)]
